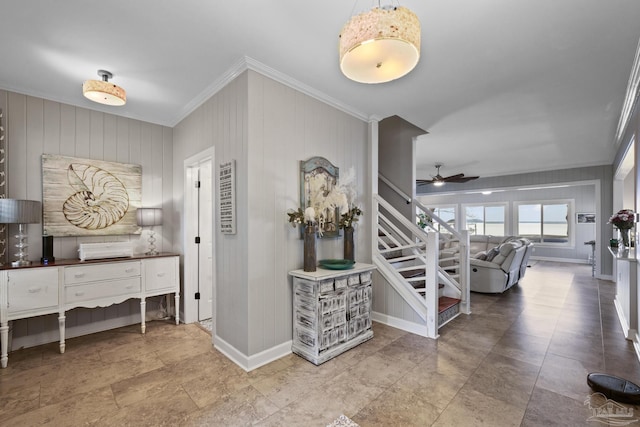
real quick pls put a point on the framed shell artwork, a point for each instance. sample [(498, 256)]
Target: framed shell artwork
[(83, 197)]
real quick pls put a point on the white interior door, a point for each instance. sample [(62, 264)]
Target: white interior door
[(205, 253), (199, 218)]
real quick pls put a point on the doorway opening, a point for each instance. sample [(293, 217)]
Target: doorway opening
[(199, 219)]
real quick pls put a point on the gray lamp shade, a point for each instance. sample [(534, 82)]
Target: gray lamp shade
[(13, 211), (147, 217)]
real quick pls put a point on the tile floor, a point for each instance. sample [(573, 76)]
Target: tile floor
[(520, 359)]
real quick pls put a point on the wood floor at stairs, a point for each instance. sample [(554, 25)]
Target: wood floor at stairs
[(446, 302), (448, 308)]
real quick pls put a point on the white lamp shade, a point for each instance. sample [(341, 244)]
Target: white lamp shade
[(147, 217), (380, 45), (13, 211)]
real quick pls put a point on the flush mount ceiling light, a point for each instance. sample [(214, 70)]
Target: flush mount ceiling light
[(103, 92), (380, 45)]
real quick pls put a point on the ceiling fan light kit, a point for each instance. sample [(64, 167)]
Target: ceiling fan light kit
[(380, 45), (103, 92)]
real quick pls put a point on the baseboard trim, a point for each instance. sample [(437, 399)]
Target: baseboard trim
[(554, 259), (629, 333), (249, 363), (395, 322)]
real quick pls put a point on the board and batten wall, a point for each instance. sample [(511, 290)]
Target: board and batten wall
[(267, 127), (35, 126)]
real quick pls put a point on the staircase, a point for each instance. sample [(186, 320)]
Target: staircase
[(409, 259)]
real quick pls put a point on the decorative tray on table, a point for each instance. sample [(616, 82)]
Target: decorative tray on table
[(336, 264)]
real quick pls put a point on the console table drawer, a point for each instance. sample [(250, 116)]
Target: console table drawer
[(106, 289), (95, 272), (160, 273)]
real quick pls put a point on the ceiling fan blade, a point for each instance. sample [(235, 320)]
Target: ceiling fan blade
[(424, 181), (453, 177), (463, 178)]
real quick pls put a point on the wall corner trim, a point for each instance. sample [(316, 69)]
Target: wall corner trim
[(249, 363), (395, 322)]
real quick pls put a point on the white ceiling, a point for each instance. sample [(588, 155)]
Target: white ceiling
[(503, 86)]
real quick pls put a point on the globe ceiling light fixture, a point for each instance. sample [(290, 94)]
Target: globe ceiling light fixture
[(103, 92), (380, 45)]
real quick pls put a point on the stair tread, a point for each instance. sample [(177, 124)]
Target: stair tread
[(394, 248), (408, 272), (446, 302), (404, 258)]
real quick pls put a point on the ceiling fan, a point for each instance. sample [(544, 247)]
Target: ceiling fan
[(439, 180)]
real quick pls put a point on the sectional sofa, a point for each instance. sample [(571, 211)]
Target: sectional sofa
[(496, 262)]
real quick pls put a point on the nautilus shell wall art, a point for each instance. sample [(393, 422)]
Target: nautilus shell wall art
[(89, 197), (100, 201)]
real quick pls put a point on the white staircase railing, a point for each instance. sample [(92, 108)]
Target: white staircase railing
[(455, 272), (408, 258)]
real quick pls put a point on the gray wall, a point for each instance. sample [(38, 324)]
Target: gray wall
[(396, 148), (221, 122), (267, 127), (35, 126)]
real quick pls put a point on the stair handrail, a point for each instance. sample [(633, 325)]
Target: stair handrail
[(395, 188)]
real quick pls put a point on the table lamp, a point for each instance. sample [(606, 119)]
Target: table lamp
[(21, 212), (148, 217)]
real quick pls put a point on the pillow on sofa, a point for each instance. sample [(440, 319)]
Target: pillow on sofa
[(491, 253), (481, 256)]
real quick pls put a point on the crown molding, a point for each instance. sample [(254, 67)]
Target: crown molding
[(630, 99), (247, 63), (236, 69)]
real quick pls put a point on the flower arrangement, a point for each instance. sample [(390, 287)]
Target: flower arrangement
[(349, 218), (623, 219), (321, 199)]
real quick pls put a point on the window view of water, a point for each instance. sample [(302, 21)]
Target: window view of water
[(533, 221)]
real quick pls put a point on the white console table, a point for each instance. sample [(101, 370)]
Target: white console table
[(331, 311), (66, 284)]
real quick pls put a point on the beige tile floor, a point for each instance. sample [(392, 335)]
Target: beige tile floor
[(521, 359)]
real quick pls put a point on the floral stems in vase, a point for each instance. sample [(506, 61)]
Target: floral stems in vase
[(623, 220)]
